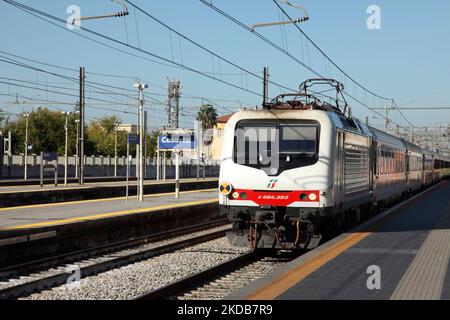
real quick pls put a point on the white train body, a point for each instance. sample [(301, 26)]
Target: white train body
[(317, 177), (329, 168)]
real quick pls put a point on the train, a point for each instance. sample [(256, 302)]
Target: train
[(302, 167)]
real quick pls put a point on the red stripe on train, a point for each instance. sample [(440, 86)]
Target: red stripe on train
[(279, 199)]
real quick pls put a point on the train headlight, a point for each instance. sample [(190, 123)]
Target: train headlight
[(312, 197), (303, 197), (235, 195), (225, 188), (243, 195)]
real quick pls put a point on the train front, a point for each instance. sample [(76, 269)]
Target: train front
[(276, 177)]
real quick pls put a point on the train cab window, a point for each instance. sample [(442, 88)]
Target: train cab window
[(275, 147)]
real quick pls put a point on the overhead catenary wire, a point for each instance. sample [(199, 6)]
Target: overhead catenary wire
[(39, 14), (302, 34), (73, 79), (172, 30), (325, 55), (185, 95), (340, 69)]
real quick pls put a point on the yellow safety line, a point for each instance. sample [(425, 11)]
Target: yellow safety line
[(43, 205), (291, 278), (108, 215)]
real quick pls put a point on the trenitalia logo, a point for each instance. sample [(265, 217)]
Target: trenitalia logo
[(272, 183)]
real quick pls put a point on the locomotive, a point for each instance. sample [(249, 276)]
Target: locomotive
[(301, 168)]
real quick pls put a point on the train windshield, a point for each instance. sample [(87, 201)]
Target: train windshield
[(275, 146)]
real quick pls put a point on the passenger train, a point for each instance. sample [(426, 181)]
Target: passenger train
[(301, 168)]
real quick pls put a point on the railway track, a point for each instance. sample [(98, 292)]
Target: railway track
[(221, 280), (20, 280)]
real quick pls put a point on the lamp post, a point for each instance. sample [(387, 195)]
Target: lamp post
[(140, 187), (66, 129), (27, 116), (116, 128)]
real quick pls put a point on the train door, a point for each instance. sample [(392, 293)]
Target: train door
[(407, 168), (372, 163)]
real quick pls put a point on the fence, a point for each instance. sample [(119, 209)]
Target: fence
[(13, 167)]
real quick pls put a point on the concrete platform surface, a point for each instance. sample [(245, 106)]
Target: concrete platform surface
[(51, 214), (404, 253)]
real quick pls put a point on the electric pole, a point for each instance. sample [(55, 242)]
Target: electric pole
[(266, 86), (66, 129), (116, 128), (27, 116), (81, 126), (77, 121)]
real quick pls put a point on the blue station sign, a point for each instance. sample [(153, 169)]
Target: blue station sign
[(49, 156), (176, 142)]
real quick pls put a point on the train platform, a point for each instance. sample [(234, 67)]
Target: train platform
[(37, 231), (401, 254), (34, 194), (52, 214)]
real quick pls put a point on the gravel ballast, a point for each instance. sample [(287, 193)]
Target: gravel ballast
[(133, 280)]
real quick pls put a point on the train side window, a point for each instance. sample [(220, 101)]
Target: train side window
[(390, 161)]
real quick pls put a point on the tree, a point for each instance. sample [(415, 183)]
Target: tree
[(207, 114), (101, 137), (45, 131), (152, 143)]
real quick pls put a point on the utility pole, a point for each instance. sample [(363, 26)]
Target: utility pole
[(66, 129), (77, 121), (27, 116), (81, 124), (266, 86), (116, 128), (140, 185), (386, 118)]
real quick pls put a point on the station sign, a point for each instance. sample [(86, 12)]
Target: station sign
[(176, 142), (133, 139), (49, 156)]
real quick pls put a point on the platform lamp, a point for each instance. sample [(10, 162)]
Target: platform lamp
[(116, 129), (66, 129), (140, 165), (27, 116)]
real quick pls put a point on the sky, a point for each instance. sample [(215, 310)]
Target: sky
[(406, 60)]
